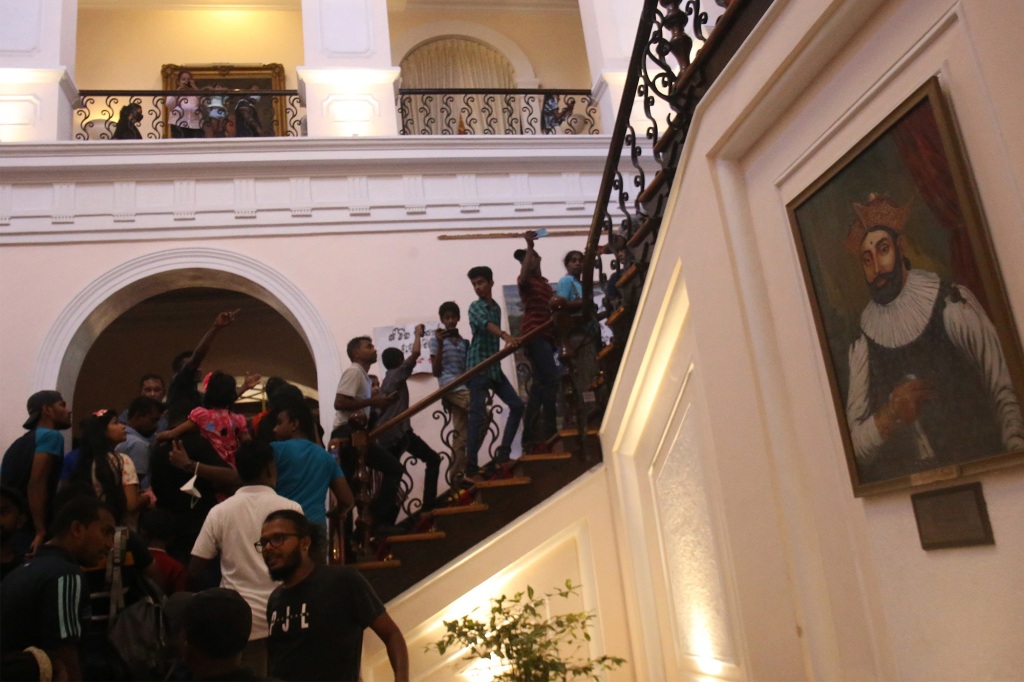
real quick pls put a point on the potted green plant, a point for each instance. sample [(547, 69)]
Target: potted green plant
[(525, 646)]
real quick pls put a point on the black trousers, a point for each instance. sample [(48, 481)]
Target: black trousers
[(416, 447), (385, 505)]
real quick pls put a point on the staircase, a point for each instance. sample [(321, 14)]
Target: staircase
[(660, 68), (447, 532)]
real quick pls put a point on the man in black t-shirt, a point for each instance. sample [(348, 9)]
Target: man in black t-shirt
[(44, 601), (318, 614)]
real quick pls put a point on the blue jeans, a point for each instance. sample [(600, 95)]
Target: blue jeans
[(539, 420), (478, 388)]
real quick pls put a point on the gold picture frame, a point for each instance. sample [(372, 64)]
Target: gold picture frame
[(236, 78), (923, 356)]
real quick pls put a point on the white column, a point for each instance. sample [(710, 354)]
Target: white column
[(609, 29), (348, 81), (37, 63)]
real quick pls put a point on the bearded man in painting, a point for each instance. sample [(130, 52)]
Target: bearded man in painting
[(929, 385)]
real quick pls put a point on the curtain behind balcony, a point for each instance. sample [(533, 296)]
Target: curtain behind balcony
[(461, 63)]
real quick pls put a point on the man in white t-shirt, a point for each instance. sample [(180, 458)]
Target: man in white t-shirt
[(354, 395), (230, 531)]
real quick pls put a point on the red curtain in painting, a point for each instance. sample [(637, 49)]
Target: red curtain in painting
[(920, 146)]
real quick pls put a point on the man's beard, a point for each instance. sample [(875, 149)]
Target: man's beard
[(287, 569), (887, 286)]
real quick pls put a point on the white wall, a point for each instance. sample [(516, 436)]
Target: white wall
[(822, 584), (568, 537), (340, 235), (343, 232), (551, 40), (124, 47)]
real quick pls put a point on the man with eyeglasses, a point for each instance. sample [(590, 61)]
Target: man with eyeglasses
[(228, 532), (318, 614)]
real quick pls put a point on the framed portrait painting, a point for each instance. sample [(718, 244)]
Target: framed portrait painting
[(238, 100), (923, 356)]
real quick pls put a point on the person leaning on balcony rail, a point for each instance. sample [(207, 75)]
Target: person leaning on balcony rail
[(127, 124), (247, 120), (186, 112)]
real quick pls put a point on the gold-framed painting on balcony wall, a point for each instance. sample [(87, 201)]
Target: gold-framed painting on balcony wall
[(240, 101), (923, 357)]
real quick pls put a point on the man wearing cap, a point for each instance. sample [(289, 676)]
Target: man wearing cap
[(929, 385), (32, 464), (215, 626)]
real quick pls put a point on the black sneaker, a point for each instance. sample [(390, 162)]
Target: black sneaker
[(502, 454), (384, 530)]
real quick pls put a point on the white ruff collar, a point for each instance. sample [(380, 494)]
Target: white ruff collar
[(904, 319)]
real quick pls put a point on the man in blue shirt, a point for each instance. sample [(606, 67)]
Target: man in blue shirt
[(485, 322), (32, 464), (305, 472), (144, 414)]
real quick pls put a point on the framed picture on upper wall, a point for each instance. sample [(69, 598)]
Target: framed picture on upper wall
[(228, 111), (922, 353)]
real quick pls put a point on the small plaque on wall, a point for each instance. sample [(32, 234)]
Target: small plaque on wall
[(952, 517)]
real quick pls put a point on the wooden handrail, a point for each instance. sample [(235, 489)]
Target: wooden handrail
[(454, 383)]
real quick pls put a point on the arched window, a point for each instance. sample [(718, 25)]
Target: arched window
[(454, 62)]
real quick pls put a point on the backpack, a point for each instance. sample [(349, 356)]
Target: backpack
[(137, 633), (17, 463)]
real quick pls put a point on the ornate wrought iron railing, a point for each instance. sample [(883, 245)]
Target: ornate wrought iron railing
[(680, 49), (498, 112), (668, 81), (278, 113), (411, 503)]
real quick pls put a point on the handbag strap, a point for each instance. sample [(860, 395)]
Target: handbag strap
[(115, 581)]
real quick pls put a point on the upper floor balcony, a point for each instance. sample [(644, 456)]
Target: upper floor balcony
[(318, 68)]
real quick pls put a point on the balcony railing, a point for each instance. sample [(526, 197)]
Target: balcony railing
[(498, 112), (280, 113), (224, 113)]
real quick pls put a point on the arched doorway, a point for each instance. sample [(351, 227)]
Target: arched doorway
[(145, 338), (108, 297)]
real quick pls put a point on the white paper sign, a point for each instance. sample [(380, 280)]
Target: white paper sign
[(401, 336)]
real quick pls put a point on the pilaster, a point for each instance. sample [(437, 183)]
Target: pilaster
[(609, 29), (348, 80), (37, 58)]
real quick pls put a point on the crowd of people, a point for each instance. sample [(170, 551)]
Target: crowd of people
[(180, 495), (217, 114)]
